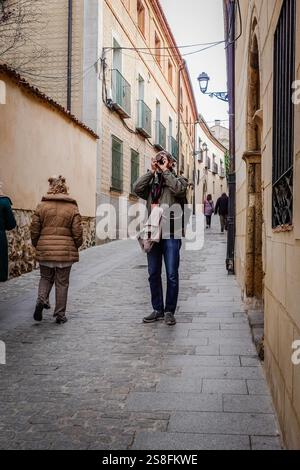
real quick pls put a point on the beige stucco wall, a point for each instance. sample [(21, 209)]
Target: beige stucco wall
[(121, 23), (281, 251), (37, 141)]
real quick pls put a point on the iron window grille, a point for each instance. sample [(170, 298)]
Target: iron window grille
[(283, 124)]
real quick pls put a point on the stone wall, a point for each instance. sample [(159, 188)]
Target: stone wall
[(21, 252), (280, 279)]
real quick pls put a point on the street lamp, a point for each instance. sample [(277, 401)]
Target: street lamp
[(203, 80)]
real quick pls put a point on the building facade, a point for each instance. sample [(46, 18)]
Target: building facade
[(116, 66), (267, 171), (221, 133), (210, 167), (148, 103)]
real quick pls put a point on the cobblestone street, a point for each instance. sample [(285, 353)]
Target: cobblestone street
[(107, 381)]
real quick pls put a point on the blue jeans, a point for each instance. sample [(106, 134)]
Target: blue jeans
[(170, 251)]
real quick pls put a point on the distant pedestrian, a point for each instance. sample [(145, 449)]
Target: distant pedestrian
[(208, 210), (56, 233), (7, 222), (222, 210)]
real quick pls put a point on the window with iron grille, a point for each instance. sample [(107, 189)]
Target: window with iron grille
[(117, 164), (135, 168), (283, 125)]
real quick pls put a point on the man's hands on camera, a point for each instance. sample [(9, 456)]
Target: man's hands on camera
[(162, 166)]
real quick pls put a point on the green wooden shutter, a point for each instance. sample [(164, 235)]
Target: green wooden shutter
[(135, 168), (117, 164)]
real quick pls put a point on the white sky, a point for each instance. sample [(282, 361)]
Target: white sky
[(201, 21)]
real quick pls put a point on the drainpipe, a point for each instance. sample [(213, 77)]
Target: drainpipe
[(181, 68), (69, 66), (229, 12)]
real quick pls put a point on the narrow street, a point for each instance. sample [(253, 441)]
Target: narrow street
[(106, 381)]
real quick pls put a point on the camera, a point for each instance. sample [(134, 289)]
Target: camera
[(160, 157)]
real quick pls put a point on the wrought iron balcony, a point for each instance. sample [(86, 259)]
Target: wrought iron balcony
[(160, 136), (144, 122), (121, 94), (173, 147), (215, 168)]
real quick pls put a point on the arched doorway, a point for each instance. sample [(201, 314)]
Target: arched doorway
[(252, 157)]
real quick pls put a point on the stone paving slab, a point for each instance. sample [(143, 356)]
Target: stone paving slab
[(223, 423), (223, 386), (265, 443), (158, 401), (190, 441), (107, 381), (249, 404), (239, 372)]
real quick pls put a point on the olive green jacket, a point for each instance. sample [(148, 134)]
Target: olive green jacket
[(173, 190)]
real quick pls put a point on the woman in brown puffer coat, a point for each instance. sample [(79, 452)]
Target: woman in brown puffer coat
[(56, 233)]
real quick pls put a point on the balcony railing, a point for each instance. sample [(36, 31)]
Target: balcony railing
[(121, 94), (215, 168), (144, 119), (173, 147), (160, 136), (222, 173)]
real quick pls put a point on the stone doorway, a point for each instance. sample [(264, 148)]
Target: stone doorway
[(252, 158)]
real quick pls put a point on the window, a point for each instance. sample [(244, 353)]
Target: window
[(182, 163), (170, 73), (157, 44), (283, 124), (170, 135), (141, 88), (170, 127), (157, 110), (117, 56), (141, 16), (135, 168), (117, 164)]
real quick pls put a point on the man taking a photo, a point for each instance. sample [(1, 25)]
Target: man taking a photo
[(161, 186)]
